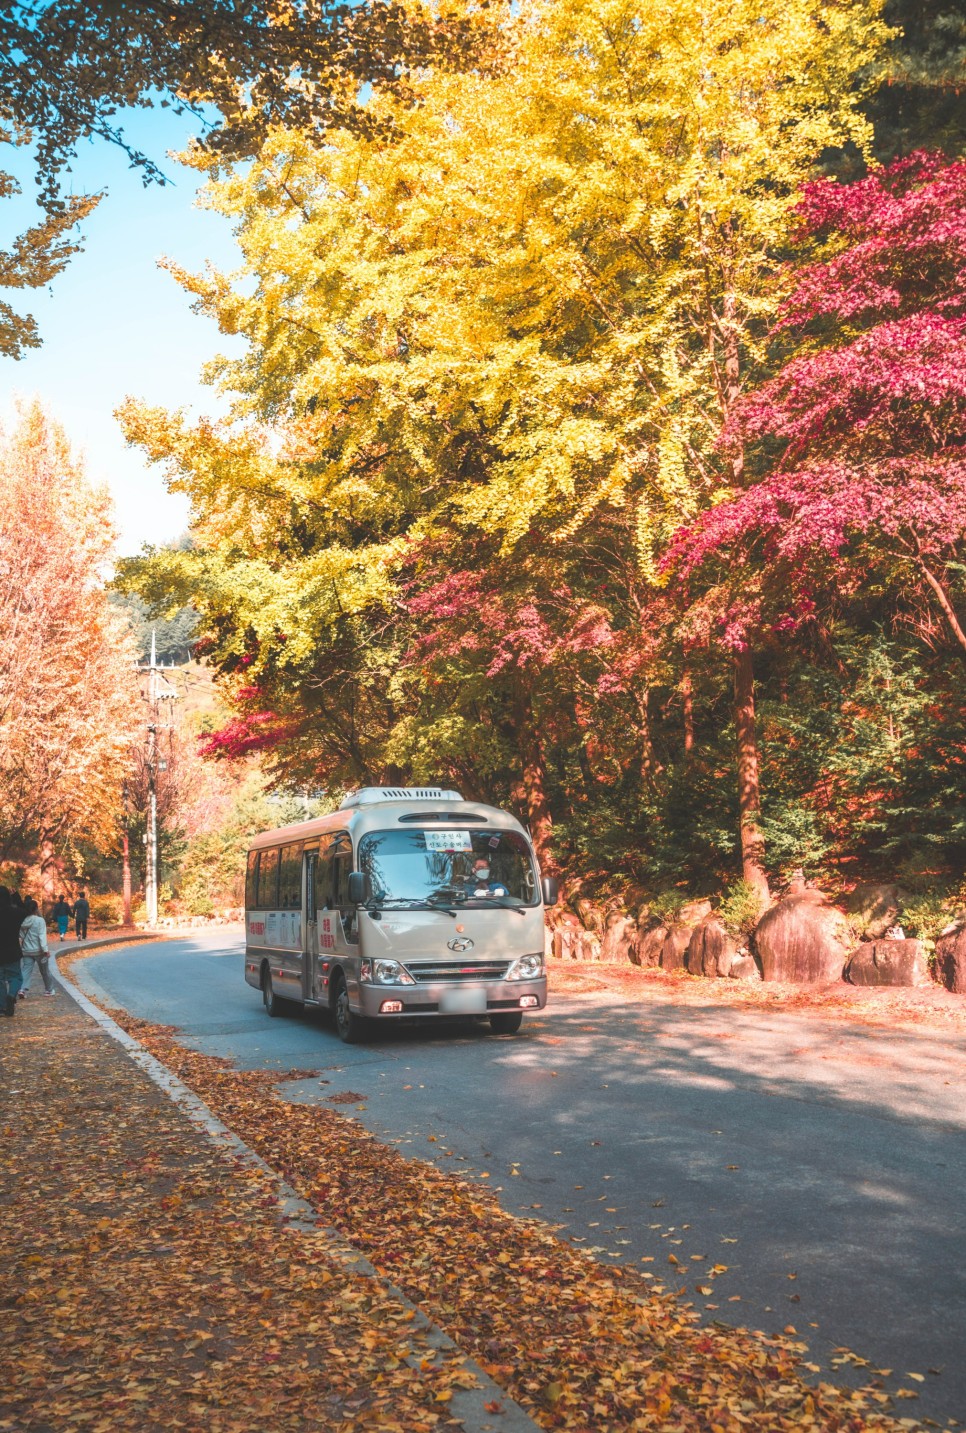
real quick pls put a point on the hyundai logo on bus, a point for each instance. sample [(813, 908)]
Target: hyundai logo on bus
[(462, 944)]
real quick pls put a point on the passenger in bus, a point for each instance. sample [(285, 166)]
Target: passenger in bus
[(480, 883)]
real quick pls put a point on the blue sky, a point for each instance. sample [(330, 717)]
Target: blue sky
[(113, 324)]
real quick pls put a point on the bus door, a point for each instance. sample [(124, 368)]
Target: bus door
[(336, 918), (325, 923), (341, 869), (310, 957)]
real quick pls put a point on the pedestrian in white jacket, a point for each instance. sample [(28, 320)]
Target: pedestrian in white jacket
[(34, 949)]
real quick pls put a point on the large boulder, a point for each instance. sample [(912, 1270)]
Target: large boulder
[(888, 962), (872, 909), (711, 950), (693, 912), (951, 958), (588, 946), (675, 947), (565, 943), (591, 915), (803, 939), (744, 967), (651, 935), (619, 939)]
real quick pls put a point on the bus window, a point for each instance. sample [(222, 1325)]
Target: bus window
[(268, 880), (290, 879), (341, 866), (323, 876), (251, 881)]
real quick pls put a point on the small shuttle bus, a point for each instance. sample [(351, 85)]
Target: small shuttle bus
[(405, 902)]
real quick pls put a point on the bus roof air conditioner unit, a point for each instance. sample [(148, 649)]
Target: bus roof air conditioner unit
[(370, 795)]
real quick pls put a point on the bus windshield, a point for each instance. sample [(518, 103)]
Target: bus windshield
[(466, 867)]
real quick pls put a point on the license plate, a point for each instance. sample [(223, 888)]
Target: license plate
[(462, 1002)]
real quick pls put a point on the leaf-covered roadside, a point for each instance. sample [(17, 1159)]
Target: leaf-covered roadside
[(146, 1281), (923, 1007), (580, 1345)]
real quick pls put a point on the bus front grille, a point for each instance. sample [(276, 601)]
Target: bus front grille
[(425, 972)]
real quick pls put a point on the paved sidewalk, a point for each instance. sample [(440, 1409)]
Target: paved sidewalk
[(152, 1276)]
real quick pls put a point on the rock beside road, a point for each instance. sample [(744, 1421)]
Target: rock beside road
[(744, 967), (872, 909), (711, 950), (650, 941), (692, 913), (619, 938), (951, 958), (888, 962), (675, 947), (804, 939)]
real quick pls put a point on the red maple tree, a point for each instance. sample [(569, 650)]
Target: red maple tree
[(861, 435)]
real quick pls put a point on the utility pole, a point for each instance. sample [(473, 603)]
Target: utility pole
[(159, 689), (151, 837), (126, 856)]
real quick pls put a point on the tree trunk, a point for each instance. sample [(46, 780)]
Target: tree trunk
[(749, 795), (650, 766), (51, 878), (946, 606), (687, 699), (538, 807), (584, 746), (531, 790), (732, 375)]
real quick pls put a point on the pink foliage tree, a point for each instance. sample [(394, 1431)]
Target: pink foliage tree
[(862, 434), (509, 640)]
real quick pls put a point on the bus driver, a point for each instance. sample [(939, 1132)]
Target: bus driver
[(480, 883)]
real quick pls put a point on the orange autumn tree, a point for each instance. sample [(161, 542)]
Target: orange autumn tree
[(69, 700)]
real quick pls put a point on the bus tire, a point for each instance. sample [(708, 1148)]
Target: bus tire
[(349, 1026), (273, 1005), (506, 1022)]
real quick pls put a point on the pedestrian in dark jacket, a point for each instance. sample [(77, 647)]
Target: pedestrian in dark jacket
[(11, 977), (62, 914), (82, 912)]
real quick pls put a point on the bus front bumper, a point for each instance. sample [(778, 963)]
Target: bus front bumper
[(447, 999)]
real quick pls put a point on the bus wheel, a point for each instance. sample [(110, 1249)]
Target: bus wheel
[(349, 1026), (273, 1006), (506, 1022)]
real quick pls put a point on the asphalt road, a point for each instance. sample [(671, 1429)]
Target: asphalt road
[(809, 1173)]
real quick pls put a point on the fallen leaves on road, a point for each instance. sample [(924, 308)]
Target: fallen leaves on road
[(581, 1345)]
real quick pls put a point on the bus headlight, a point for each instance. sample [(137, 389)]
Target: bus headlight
[(390, 972), (527, 967)]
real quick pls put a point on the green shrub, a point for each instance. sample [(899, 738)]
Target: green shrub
[(666, 905), (740, 909), (926, 914), (107, 908)]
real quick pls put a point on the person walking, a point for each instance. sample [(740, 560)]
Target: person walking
[(62, 914), (11, 975), (82, 913), (34, 949)]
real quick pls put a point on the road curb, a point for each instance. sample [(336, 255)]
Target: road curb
[(467, 1405)]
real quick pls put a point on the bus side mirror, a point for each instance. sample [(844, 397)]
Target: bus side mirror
[(550, 890), (358, 888)]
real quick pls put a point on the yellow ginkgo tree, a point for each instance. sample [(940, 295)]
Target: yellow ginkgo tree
[(500, 334)]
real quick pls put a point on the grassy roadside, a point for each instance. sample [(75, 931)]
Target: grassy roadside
[(582, 1346)]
